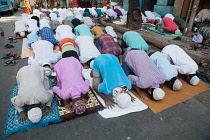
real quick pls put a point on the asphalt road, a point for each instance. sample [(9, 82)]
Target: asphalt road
[(187, 120)]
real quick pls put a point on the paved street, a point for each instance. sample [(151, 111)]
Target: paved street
[(187, 120)]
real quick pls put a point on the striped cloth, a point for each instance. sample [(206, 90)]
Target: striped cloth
[(205, 32), (108, 45), (48, 35)]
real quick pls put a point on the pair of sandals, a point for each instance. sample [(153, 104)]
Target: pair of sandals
[(12, 39), (11, 62), (12, 56), (9, 55), (7, 46)]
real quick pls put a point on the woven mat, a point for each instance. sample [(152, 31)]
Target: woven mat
[(165, 34)]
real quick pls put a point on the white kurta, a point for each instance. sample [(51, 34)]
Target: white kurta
[(93, 12), (43, 51), (53, 16), (88, 21), (111, 13), (110, 30), (20, 27), (183, 63), (44, 23), (33, 87), (64, 31), (86, 51), (32, 26)]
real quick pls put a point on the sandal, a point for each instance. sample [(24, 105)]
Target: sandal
[(8, 62), (13, 62), (9, 46)]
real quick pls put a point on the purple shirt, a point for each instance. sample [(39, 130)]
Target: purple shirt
[(147, 74), (119, 13), (70, 79)]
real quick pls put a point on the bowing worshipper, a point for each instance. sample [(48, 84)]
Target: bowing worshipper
[(67, 44), (86, 52), (76, 22), (44, 23), (93, 12), (110, 81), (87, 10), (110, 30), (99, 12), (88, 21), (167, 69), (111, 13), (70, 18), (168, 25), (106, 44), (118, 12), (86, 14), (32, 26), (143, 74), (33, 90), (54, 24), (43, 55), (20, 29), (31, 38), (83, 30), (47, 34), (133, 40), (78, 15), (97, 31), (67, 22), (71, 84), (64, 31), (36, 18), (182, 62), (203, 15), (53, 16), (202, 36)]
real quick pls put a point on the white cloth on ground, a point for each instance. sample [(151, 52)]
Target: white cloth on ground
[(111, 13)]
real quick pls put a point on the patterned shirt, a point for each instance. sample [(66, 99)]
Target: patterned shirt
[(108, 45), (205, 32), (147, 74), (48, 35)]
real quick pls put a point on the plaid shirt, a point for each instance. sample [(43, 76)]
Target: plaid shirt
[(108, 45), (47, 34)]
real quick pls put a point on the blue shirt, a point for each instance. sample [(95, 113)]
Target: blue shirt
[(134, 41), (83, 30), (48, 35), (31, 38), (111, 72), (164, 65)]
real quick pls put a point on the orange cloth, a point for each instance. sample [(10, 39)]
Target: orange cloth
[(60, 44), (27, 8)]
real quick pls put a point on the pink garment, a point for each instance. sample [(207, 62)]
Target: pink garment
[(70, 79), (170, 24), (151, 21)]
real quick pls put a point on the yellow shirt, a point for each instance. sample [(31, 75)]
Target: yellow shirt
[(97, 31)]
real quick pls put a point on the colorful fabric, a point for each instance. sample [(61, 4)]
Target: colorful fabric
[(147, 74), (86, 14), (111, 72), (165, 34), (13, 124), (99, 12), (118, 12), (68, 48), (169, 24), (83, 30), (65, 40), (31, 38), (79, 107), (97, 31), (108, 45), (70, 79), (134, 41), (47, 34)]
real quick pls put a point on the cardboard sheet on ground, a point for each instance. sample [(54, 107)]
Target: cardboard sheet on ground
[(28, 52), (165, 34), (175, 97), (116, 111)]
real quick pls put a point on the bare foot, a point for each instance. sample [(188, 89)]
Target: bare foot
[(143, 95), (47, 110), (67, 105)]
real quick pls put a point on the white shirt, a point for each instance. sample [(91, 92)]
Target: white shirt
[(33, 88), (170, 16), (62, 13), (43, 51), (86, 51), (88, 21), (110, 30), (32, 26), (78, 15), (111, 13), (64, 31), (123, 11), (53, 16), (183, 63), (149, 15), (44, 23), (20, 27), (93, 12)]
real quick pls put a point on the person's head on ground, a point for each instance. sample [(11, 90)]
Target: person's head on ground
[(35, 114), (121, 96), (193, 79), (157, 94), (176, 84), (47, 69), (78, 105)]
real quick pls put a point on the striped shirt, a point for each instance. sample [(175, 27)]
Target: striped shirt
[(108, 45), (205, 32), (48, 35), (147, 74)]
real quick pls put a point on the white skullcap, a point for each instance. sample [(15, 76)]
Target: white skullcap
[(121, 98), (194, 80), (22, 34), (158, 94), (177, 31), (177, 85), (115, 39), (91, 64), (35, 114), (47, 71)]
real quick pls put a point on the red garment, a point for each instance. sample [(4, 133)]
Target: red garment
[(169, 24), (151, 21)]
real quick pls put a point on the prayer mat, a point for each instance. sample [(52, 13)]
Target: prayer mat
[(14, 125), (26, 52), (165, 34), (174, 97), (93, 105), (136, 106)]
